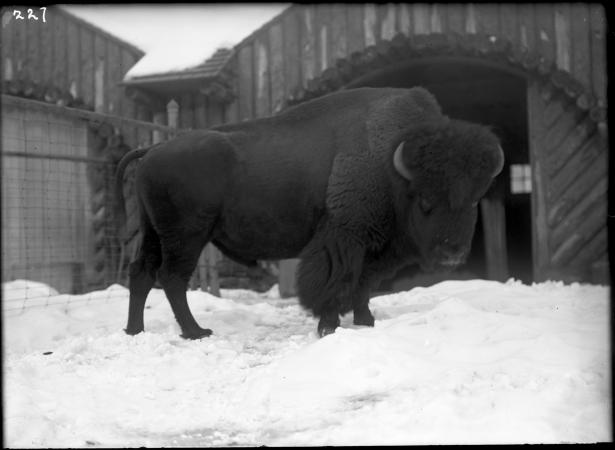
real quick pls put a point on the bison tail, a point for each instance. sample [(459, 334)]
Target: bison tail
[(120, 212)]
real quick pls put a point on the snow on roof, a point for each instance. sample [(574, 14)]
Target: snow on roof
[(194, 47), (210, 67)]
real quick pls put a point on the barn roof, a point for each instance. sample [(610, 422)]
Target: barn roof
[(208, 69)]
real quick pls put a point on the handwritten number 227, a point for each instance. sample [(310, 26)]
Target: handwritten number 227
[(17, 14)]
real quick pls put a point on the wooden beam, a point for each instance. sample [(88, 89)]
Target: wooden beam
[(278, 81), (308, 44), (494, 229), (540, 244), (354, 27), (246, 83), (562, 36)]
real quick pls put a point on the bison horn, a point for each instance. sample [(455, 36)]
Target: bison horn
[(500, 164), (399, 163)]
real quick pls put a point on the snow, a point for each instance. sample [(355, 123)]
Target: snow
[(458, 362)]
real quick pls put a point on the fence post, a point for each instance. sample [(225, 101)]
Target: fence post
[(172, 113), (159, 119)]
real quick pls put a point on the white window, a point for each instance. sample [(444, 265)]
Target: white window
[(520, 178)]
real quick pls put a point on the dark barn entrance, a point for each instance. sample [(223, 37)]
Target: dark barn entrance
[(483, 93)]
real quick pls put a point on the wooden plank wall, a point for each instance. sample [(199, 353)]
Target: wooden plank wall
[(64, 52), (569, 163), (571, 36)]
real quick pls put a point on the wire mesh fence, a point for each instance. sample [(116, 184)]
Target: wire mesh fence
[(61, 240), (58, 228)]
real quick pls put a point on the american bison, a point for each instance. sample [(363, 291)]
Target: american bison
[(356, 184)]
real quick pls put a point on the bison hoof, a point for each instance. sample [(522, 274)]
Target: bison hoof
[(132, 332), (198, 334), (325, 330), (328, 326), (364, 318)]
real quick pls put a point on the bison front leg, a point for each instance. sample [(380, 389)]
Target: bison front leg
[(329, 269), (360, 308)]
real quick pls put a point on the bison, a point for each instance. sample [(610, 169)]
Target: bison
[(357, 184)]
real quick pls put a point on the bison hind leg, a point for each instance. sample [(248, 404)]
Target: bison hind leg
[(180, 254), (142, 275)]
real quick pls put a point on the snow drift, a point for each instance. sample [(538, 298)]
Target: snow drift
[(459, 362)]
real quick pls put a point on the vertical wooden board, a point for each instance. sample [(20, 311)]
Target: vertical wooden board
[(292, 52), (99, 86), (19, 48), (370, 24), (60, 61), (262, 72), (73, 56), (308, 44), (494, 226), (46, 52), (109, 82), (34, 50), (246, 83), (7, 45), (404, 18), (581, 47), (87, 65), (455, 14), (100, 74), (388, 24), (598, 49), (545, 30), (338, 47), (540, 245), (322, 35), (487, 19), (562, 30), (527, 25), (509, 20), (287, 277), (115, 76), (437, 19), (354, 28), (470, 26), (128, 105), (421, 18), (276, 54)]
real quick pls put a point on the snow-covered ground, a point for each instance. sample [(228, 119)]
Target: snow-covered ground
[(459, 362)]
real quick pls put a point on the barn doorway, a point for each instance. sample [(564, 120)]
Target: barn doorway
[(481, 92)]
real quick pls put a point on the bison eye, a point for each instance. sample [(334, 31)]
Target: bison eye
[(425, 205)]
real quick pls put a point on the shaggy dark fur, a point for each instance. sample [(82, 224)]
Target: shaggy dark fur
[(318, 182)]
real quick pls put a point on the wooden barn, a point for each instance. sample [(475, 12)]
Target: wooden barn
[(535, 73)]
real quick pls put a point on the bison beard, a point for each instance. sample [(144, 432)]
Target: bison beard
[(357, 184)]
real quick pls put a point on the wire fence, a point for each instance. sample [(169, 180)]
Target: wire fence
[(61, 242), (58, 229)]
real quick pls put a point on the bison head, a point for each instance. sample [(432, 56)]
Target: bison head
[(448, 167)]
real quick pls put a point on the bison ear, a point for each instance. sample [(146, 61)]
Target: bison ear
[(398, 162)]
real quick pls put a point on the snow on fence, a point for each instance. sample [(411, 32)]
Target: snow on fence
[(58, 167)]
